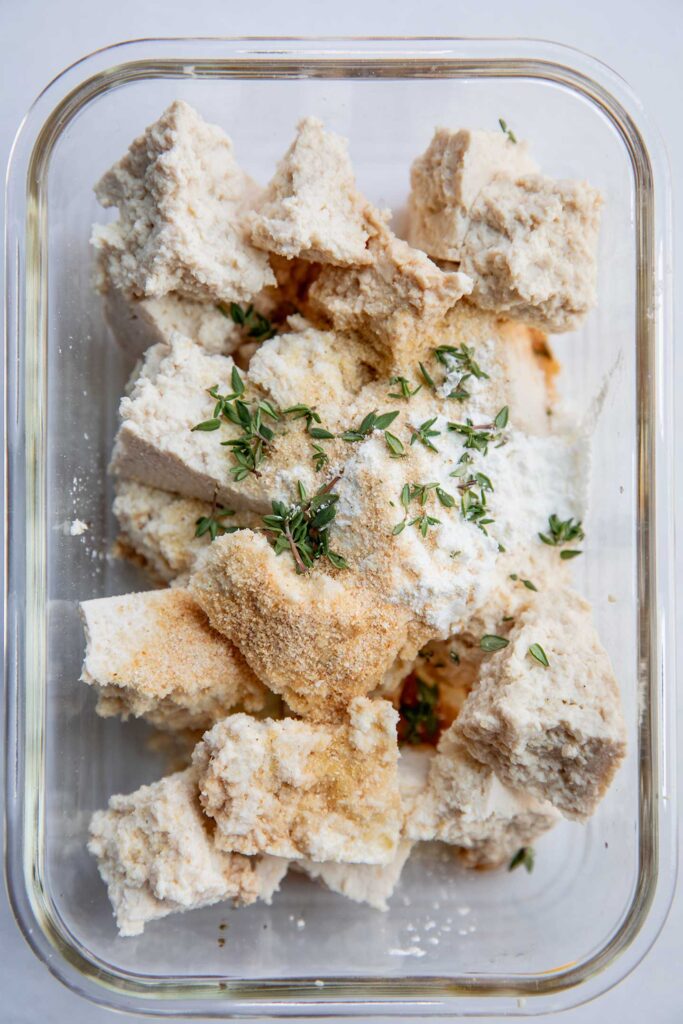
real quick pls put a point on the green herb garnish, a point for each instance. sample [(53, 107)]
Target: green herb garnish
[(404, 388), (302, 528), (490, 643), (539, 655), (480, 437), (525, 856), (371, 422), (507, 131), (395, 445), (562, 532), (424, 433), (255, 324), (212, 524), (298, 412), (462, 357), (319, 456), (427, 377)]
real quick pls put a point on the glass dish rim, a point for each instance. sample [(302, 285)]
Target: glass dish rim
[(26, 317)]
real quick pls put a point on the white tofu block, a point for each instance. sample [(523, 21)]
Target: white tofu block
[(363, 883)]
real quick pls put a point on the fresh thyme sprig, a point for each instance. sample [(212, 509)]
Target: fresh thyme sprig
[(472, 506), (507, 131), (254, 324), (480, 437), (424, 433), (319, 456), (405, 390), (525, 856), (302, 528), (527, 583), (250, 447), (371, 422), (418, 710), (561, 532), (421, 493), (212, 524), (298, 412), (463, 357)]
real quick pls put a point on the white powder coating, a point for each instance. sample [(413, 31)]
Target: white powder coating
[(154, 655), (531, 249), (157, 446), (556, 732), (156, 855), (299, 790), (464, 804), (182, 202), (446, 180), (312, 208), (363, 883), (321, 369)]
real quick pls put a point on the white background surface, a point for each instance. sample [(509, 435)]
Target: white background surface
[(643, 41)]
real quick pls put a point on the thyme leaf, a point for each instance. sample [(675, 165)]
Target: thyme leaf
[(539, 655), (490, 642), (525, 856), (507, 131)]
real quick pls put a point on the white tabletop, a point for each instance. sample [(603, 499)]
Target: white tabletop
[(643, 41)]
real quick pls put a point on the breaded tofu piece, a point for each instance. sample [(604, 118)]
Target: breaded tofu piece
[(321, 369), (447, 178), (182, 202), (392, 301), (156, 443), (531, 250), (557, 731), (300, 790), (463, 803), (156, 855), (159, 529), (318, 640), (311, 208), (363, 883), (154, 655)]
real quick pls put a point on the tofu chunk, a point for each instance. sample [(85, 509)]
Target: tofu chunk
[(295, 789), (154, 655), (156, 444), (363, 883), (447, 179), (463, 803), (311, 208), (182, 202), (557, 731), (318, 640), (158, 529), (393, 301), (156, 855), (531, 249)]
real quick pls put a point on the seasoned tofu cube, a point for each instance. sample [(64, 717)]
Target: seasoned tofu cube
[(156, 443), (393, 301), (453, 798), (447, 179), (363, 883), (303, 790), (312, 208), (159, 529), (182, 202), (318, 640), (154, 655), (553, 730), (156, 854), (531, 249)]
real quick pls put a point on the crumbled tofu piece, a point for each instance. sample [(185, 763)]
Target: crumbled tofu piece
[(447, 179), (182, 202), (465, 805), (299, 790), (156, 855), (556, 732), (363, 883), (137, 324), (531, 249), (321, 368), (393, 301), (311, 208), (318, 640), (156, 444), (159, 529), (154, 655)]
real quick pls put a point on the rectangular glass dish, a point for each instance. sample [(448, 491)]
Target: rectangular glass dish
[(453, 943)]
